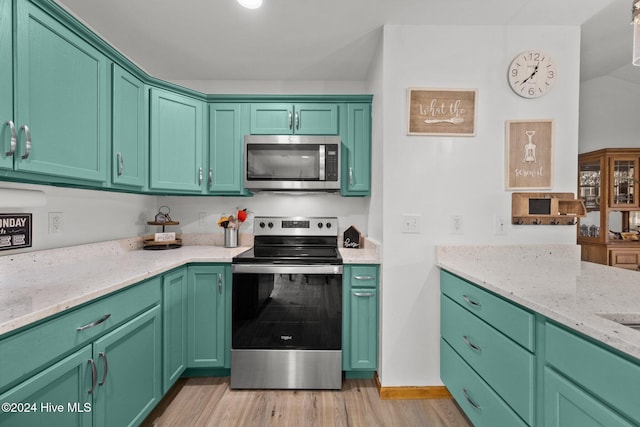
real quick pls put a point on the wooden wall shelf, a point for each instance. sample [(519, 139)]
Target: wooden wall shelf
[(546, 209)]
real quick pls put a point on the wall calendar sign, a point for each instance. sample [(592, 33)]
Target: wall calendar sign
[(450, 112), (15, 231), (529, 154)]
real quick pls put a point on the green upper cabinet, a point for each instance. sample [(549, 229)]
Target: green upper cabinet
[(61, 89), (129, 148), (227, 126), (6, 86), (356, 154), (177, 136), (301, 119)]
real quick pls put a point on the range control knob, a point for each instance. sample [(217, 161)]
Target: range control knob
[(261, 224), (320, 225), (270, 224), (328, 225)]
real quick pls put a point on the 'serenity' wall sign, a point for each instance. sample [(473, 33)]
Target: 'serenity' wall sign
[(15, 231)]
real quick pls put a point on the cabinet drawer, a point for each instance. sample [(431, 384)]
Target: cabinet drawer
[(625, 258), (24, 353), (515, 322), (505, 366), (608, 376), (478, 401), (364, 276)]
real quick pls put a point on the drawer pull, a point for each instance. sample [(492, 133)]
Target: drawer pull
[(103, 356), (471, 345), (363, 294), (471, 302), (364, 277), (96, 323), (94, 375), (469, 399), (220, 283)]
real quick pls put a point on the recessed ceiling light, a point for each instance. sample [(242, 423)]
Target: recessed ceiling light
[(251, 4)]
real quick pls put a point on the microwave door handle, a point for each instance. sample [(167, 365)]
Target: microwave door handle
[(322, 158)]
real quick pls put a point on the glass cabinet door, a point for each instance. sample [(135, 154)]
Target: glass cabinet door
[(623, 182), (589, 191)]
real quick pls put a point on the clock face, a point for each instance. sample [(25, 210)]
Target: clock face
[(532, 74)]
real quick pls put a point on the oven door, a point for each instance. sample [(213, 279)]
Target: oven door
[(285, 307), (286, 326)]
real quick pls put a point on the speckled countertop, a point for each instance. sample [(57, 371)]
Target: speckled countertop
[(39, 284), (551, 280)]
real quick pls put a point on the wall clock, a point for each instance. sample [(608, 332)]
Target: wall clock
[(532, 74)]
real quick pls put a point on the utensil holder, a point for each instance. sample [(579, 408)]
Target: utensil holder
[(230, 237)]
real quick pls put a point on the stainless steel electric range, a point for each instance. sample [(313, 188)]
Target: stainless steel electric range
[(287, 306)]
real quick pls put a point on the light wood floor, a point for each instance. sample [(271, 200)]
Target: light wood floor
[(210, 402)]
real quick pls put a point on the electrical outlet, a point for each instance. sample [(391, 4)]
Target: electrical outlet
[(411, 223), (500, 225), (457, 224), (56, 223)]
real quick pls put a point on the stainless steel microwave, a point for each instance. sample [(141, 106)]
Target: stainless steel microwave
[(292, 162)]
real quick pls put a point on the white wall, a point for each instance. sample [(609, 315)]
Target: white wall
[(609, 114), (436, 177), (88, 216)]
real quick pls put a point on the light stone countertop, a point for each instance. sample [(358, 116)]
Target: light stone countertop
[(39, 284), (551, 280)]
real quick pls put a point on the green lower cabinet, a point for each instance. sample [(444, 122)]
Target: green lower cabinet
[(360, 320), (58, 396), (209, 340), (115, 381), (129, 371), (174, 326), (568, 405)]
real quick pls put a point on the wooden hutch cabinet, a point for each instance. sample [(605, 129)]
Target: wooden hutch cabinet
[(608, 182)]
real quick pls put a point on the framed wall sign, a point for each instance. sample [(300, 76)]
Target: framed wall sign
[(529, 154), (450, 112), (15, 231)]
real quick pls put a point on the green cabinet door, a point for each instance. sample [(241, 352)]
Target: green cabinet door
[(356, 154), (300, 118), (130, 145), (58, 396), (208, 338), (174, 326), (129, 371), (566, 404), (6, 85), (360, 318), (176, 143), (226, 138), (61, 97)]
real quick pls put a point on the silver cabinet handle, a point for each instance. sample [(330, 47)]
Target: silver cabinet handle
[(14, 138), (103, 356), (210, 177), (350, 175), (290, 122), (200, 176), (364, 277), (363, 294), (469, 399), (27, 145), (471, 302), (220, 283), (94, 376), (471, 345), (96, 323), (297, 121), (120, 163)]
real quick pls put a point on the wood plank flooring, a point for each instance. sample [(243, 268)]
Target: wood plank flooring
[(210, 402)]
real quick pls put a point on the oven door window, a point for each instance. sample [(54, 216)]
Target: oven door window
[(287, 311), (280, 162)]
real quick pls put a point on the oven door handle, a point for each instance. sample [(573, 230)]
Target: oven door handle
[(286, 269)]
